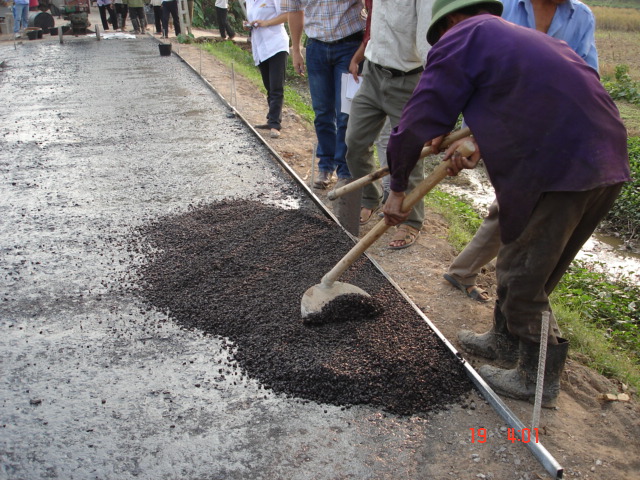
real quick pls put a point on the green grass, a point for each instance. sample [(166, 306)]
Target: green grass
[(600, 315), (624, 217), (590, 345), (614, 3), (229, 53), (463, 219)]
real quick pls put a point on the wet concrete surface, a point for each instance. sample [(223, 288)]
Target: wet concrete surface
[(98, 139)]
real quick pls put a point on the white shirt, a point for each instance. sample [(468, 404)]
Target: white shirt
[(266, 41), (398, 33), (222, 3)]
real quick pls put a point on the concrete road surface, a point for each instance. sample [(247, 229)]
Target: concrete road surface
[(97, 138)]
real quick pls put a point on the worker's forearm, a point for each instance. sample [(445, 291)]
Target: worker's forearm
[(296, 24)]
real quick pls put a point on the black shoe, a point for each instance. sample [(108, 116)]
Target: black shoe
[(263, 126)]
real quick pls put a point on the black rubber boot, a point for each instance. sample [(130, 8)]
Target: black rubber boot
[(496, 344), (136, 25), (520, 383)]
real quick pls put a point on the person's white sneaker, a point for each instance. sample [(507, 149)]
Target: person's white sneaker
[(18, 35)]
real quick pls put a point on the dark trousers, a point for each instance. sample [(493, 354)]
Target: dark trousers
[(138, 18), (273, 71), (157, 17), (103, 16), (223, 23), (529, 268), (170, 8), (121, 11)]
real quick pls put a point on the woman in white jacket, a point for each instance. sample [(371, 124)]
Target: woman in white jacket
[(270, 45)]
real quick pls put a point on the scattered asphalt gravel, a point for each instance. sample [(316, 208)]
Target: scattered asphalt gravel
[(238, 269)]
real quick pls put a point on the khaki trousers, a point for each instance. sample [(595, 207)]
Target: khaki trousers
[(378, 97)]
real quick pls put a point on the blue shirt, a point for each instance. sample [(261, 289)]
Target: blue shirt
[(541, 117), (573, 22)]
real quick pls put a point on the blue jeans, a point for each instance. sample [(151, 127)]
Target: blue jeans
[(20, 12), (325, 65)]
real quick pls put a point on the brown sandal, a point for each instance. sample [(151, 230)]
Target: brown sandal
[(367, 219), (404, 233)]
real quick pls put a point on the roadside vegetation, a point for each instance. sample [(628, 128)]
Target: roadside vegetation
[(600, 314)]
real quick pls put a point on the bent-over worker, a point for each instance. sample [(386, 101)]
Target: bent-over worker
[(556, 153)]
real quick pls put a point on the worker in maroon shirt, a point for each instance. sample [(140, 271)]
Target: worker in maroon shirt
[(556, 153)]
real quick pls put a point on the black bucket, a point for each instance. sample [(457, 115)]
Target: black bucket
[(41, 20), (165, 49), (33, 33)]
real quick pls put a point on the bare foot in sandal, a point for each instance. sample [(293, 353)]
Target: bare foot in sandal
[(366, 214), (404, 237), (472, 291)]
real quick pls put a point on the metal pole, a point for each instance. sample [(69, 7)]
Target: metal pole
[(542, 360), (313, 163), (234, 100)]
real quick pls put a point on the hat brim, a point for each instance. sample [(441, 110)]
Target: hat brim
[(433, 33)]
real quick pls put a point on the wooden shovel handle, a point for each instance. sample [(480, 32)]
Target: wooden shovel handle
[(424, 187), (373, 176)]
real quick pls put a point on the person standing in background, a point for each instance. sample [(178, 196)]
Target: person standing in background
[(157, 15), (335, 29), (20, 16), (104, 6), (121, 14), (137, 15), (270, 47), (393, 50), (170, 7), (222, 7)]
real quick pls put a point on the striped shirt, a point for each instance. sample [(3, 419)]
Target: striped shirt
[(328, 20)]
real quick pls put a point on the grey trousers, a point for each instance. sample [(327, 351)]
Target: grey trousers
[(379, 96), (529, 268), (482, 248)]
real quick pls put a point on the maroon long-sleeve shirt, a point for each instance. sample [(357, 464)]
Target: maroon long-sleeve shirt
[(541, 118)]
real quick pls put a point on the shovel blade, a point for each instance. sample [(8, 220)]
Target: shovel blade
[(318, 296)]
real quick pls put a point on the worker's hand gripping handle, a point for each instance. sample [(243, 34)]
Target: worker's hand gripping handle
[(439, 173), (384, 171)]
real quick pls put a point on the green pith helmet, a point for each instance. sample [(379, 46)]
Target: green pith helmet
[(442, 8)]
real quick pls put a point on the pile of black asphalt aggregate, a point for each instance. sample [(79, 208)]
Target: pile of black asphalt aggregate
[(238, 269)]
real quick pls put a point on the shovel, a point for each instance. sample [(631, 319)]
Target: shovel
[(319, 296), (384, 171)]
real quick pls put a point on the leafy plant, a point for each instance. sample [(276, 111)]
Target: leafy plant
[(624, 217), (182, 38), (205, 14), (622, 86), (609, 304)]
